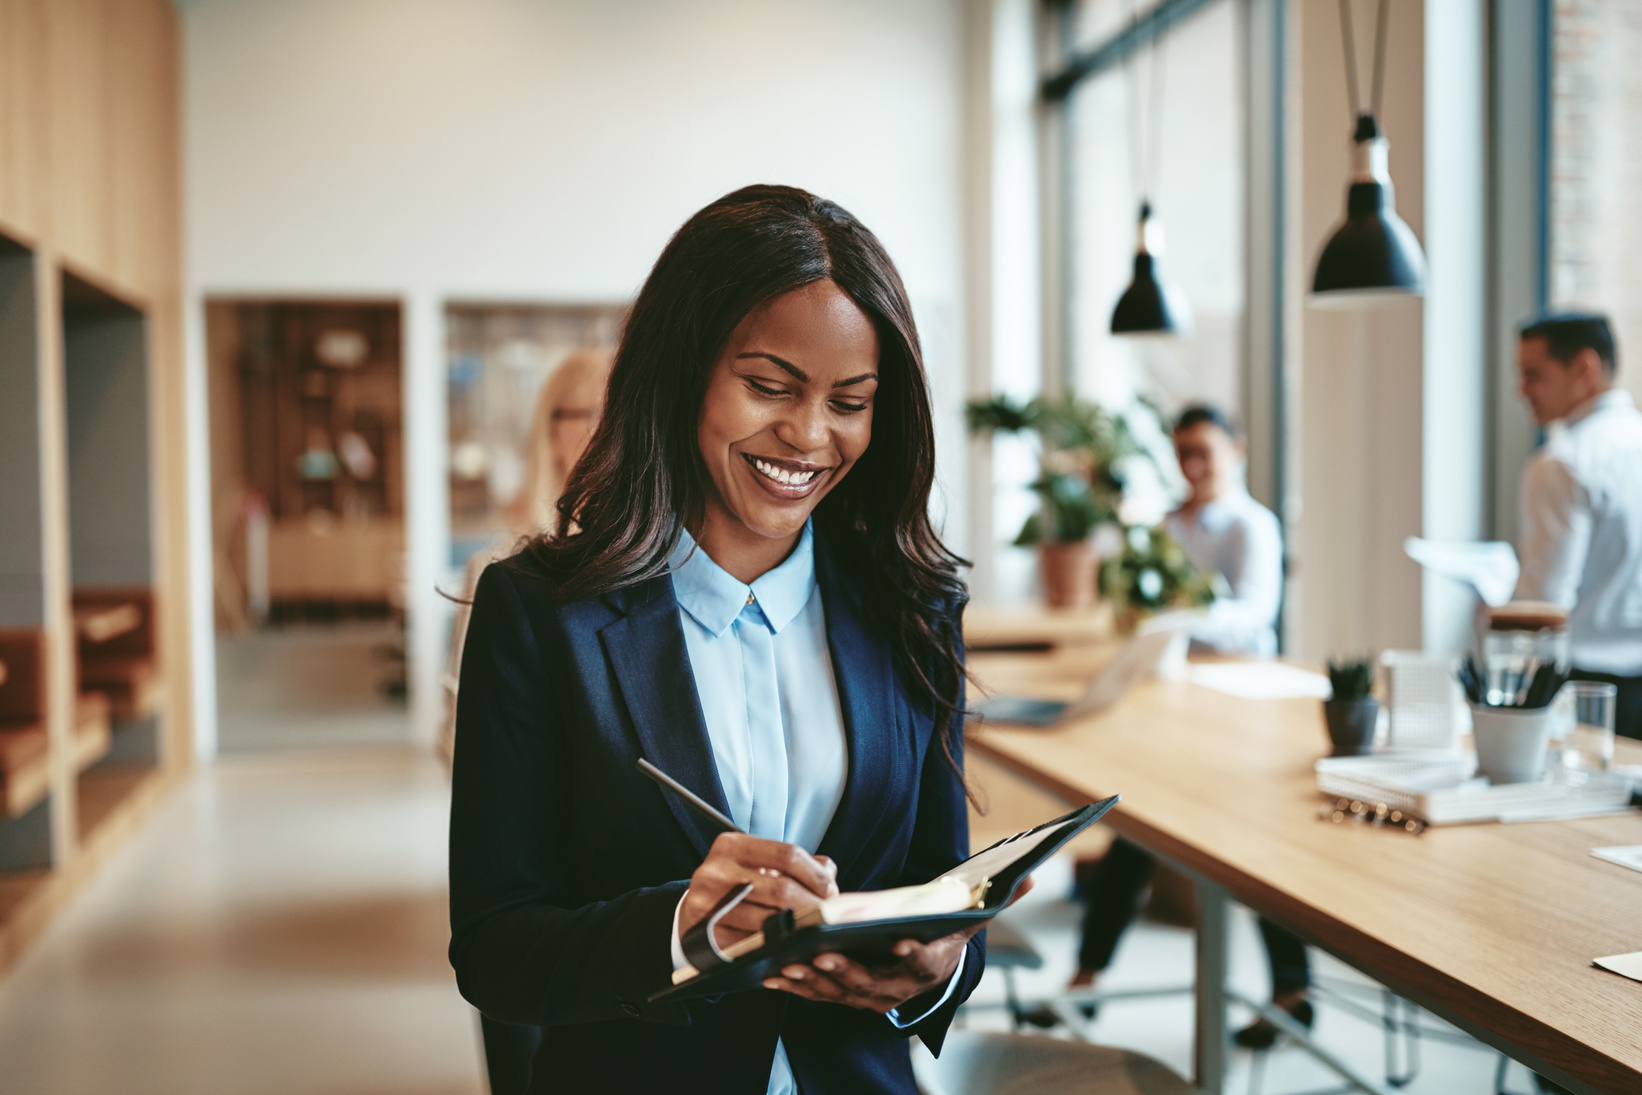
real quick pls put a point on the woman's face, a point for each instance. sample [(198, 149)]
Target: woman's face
[(573, 420), (788, 411)]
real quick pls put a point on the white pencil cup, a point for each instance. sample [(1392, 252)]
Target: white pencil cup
[(1511, 742)]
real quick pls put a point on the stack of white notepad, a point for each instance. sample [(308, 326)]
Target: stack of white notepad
[(1442, 789)]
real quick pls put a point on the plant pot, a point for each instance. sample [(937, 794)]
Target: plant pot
[(1512, 742), (1351, 725), (1068, 574)]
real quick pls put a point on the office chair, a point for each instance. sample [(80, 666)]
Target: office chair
[(1007, 950)]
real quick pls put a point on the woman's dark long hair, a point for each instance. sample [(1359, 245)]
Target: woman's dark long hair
[(642, 477)]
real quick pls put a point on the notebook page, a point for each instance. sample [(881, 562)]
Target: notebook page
[(988, 864), (944, 895)]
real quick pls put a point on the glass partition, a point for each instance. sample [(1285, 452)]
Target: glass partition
[(498, 358)]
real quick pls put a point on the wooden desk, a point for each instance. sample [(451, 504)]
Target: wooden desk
[(1491, 926), (1032, 625)]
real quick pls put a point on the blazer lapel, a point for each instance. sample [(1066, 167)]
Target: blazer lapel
[(863, 668), (646, 651)]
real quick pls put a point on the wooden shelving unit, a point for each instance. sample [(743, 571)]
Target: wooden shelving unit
[(306, 410), (94, 569), (111, 552)]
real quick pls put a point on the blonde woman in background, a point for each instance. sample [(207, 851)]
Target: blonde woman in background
[(567, 412)]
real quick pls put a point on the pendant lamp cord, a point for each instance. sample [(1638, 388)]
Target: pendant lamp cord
[(1378, 86), (1154, 158), (1146, 120)]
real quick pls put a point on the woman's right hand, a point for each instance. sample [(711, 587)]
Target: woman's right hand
[(784, 876)]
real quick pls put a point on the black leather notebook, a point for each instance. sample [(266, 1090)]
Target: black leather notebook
[(866, 926)]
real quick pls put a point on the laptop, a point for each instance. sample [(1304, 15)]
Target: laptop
[(1135, 660)]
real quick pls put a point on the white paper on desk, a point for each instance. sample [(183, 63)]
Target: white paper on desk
[(1260, 680), (1490, 567), (1626, 965), (1624, 855)]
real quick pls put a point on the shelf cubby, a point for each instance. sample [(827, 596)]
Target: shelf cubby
[(111, 547), (26, 839)]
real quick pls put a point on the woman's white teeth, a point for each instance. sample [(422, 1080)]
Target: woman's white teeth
[(782, 475)]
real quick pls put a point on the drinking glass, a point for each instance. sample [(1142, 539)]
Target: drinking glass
[(1521, 637), (1589, 746)]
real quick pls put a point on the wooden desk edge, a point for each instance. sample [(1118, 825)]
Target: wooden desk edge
[(1455, 1001)]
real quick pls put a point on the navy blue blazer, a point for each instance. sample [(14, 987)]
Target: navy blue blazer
[(566, 863)]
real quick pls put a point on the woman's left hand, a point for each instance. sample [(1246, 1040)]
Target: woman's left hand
[(834, 979)]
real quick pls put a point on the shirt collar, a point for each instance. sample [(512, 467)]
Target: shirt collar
[(1611, 400), (714, 598), (1213, 515)]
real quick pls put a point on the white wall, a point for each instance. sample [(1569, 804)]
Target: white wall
[(517, 150), (1356, 458)]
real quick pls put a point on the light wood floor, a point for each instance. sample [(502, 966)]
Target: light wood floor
[(307, 687), (279, 926)]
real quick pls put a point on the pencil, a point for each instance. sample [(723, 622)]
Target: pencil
[(701, 805)]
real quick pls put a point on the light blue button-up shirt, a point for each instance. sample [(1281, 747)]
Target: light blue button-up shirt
[(764, 675)]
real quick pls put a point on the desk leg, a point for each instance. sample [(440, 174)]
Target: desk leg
[(1210, 1049)]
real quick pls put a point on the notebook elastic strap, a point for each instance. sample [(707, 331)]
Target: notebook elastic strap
[(699, 944)]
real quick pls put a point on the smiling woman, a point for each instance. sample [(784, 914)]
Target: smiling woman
[(769, 262), (744, 589), (777, 436)]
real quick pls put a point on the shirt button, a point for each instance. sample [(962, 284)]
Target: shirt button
[(632, 1010)]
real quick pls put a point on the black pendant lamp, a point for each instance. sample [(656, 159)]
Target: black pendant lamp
[(1150, 305), (1374, 256)]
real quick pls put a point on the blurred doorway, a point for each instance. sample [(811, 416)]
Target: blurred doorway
[(307, 521)]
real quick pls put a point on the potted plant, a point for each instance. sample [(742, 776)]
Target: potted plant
[(1078, 483), (1351, 712), (1151, 575)]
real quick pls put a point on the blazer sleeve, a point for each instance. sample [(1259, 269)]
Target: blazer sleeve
[(940, 839), (521, 951)]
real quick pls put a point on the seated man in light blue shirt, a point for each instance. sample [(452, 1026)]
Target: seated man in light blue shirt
[(1223, 530)]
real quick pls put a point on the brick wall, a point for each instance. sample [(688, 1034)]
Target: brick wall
[(1596, 163)]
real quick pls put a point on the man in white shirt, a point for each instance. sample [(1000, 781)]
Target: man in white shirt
[(1581, 537), (1225, 531)]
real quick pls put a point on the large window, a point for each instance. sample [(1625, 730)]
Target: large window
[(1595, 259), (1172, 133)]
